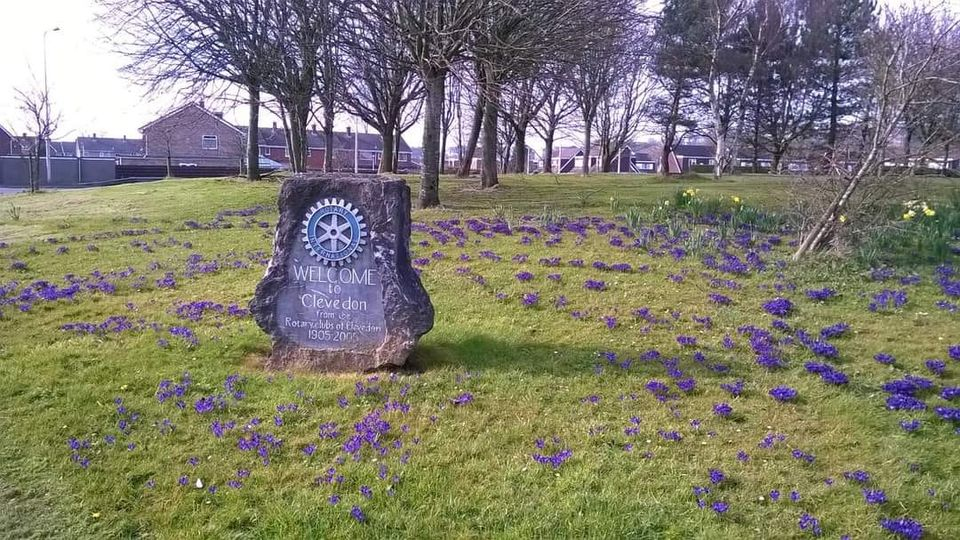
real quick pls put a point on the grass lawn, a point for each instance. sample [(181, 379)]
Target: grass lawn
[(555, 397)]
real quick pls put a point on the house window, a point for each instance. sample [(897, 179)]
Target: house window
[(209, 142)]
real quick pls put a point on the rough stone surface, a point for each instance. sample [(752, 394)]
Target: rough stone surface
[(366, 313)]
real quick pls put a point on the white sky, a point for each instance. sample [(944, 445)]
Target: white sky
[(85, 85)]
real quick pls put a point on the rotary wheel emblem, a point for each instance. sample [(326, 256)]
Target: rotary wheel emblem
[(334, 232)]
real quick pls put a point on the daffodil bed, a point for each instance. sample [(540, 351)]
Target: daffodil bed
[(586, 378)]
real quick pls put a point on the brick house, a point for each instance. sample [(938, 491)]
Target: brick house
[(351, 149), (6, 142), (193, 136), (103, 147)]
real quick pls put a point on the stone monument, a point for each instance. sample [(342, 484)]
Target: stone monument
[(340, 293)]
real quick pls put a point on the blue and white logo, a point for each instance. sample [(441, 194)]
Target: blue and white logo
[(334, 232)]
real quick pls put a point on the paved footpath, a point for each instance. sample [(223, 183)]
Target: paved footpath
[(9, 191)]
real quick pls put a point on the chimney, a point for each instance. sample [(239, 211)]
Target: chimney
[(348, 130), (94, 135), (274, 125), (200, 103), (313, 127), (219, 115), (124, 137)]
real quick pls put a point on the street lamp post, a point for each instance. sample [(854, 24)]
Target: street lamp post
[(46, 104)]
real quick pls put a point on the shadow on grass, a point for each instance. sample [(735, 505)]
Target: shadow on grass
[(480, 352)]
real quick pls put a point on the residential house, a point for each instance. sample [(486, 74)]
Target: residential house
[(694, 152), (193, 136), (25, 145), (362, 152), (452, 159), (6, 142), (645, 158), (105, 147), (564, 158), (632, 158)]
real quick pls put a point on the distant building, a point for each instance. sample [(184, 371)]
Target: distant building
[(363, 151), (6, 142), (193, 136), (109, 147), (452, 160)]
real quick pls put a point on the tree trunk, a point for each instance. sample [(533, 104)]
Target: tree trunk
[(298, 136), (328, 119), (670, 133), (466, 163), (169, 166), (756, 132), (585, 169), (488, 168), (253, 134), (720, 152), (443, 149), (433, 82), (386, 159), (520, 150), (295, 142), (397, 135), (775, 162), (548, 152), (834, 101)]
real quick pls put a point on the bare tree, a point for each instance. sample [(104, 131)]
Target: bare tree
[(41, 122), (515, 39), (188, 44), (303, 53), (434, 34), (378, 83), (523, 100), (622, 110), (451, 108), (477, 102), (736, 48), (907, 50), (596, 68), (556, 109), (788, 91)]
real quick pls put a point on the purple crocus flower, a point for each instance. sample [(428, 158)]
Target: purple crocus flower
[(903, 527), (783, 393), (723, 410), (462, 399), (717, 476), (874, 496), (778, 307)]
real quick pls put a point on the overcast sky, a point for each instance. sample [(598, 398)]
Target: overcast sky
[(85, 85)]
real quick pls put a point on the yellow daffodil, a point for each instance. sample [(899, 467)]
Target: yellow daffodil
[(929, 212), (909, 215), (736, 199), (843, 219)]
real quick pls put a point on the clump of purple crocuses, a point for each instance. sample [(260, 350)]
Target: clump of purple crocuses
[(783, 393), (778, 307)]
